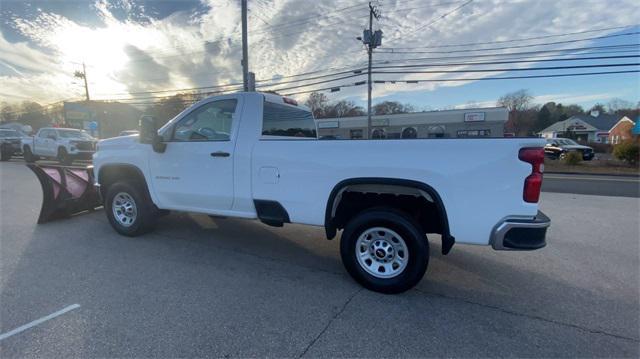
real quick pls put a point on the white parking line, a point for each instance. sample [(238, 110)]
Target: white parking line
[(38, 321)]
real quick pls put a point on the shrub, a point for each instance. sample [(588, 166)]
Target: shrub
[(628, 152), (572, 158), (601, 147)]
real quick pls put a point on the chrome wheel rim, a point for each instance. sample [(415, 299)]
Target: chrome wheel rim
[(382, 252), (124, 209)]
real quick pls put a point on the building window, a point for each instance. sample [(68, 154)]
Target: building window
[(410, 132), (378, 134), (436, 132), (355, 134)]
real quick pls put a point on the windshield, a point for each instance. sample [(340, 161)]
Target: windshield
[(566, 141), (74, 134), (9, 133)]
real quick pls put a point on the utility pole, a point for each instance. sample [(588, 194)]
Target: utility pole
[(245, 50), (83, 75), (372, 40)]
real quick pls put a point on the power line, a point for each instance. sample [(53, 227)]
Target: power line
[(508, 69), (338, 87), (575, 49), (510, 47), (518, 40), (440, 18), (506, 62)]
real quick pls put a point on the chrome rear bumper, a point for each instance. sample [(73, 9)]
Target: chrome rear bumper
[(518, 233)]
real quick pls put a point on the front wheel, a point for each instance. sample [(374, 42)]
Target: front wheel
[(64, 157), (385, 250), (129, 209)]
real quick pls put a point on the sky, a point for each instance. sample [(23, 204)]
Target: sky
[(131, 46)]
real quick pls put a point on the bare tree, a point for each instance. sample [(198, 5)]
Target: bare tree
[(345, 109), (520, 100), (391, 107), (317, 102), (617, 104), (7, 112), (522, 114)]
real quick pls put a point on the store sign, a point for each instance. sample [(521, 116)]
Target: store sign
[(329, 124), (474, 117), (380, 122)]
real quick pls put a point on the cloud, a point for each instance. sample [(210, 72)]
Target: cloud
[(132, 51)]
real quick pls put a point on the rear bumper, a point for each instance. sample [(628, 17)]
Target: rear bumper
[(517, 233)]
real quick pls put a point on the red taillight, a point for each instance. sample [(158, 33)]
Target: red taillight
[(533, 183)]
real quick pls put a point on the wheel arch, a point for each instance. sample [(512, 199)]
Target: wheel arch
[(425, 190), (111, 173)]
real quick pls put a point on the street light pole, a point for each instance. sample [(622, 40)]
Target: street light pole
[(86, 86), (245, 50)]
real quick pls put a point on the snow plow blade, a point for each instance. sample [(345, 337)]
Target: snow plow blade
[(66, 191)]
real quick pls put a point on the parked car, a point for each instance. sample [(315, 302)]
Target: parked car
[(129, 133), (62, 144), (10, 141), (257, 156), (557, 148)]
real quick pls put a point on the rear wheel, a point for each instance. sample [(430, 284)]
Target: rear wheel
[(385, 250), (28, 155), (129, 209)]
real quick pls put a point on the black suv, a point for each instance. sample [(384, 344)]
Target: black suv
[(557, 148)]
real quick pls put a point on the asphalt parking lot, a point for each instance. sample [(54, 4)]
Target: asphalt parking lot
[(233, 288)]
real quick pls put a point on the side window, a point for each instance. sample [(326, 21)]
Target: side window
[(281, 120), (43, 134), (209, 122)]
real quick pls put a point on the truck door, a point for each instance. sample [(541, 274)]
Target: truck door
[(43, 142), (196, 170)]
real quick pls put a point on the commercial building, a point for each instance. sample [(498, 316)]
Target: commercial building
[(482, 122), (101, 119), (593, 127)]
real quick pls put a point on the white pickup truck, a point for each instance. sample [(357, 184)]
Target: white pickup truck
[(256, 156), (62, 144)]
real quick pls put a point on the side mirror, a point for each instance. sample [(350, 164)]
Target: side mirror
[(149, 133)]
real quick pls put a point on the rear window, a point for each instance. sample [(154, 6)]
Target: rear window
[(282, 120)]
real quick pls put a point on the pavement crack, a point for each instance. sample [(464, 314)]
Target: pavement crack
[(335, 316), (530, 316)]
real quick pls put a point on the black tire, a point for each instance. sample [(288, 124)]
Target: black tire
[(411, 233), (64, 157), (28, 155), (5, 155), (145, 219)]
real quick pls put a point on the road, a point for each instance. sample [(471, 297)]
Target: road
[(625, 186), (209, 287)]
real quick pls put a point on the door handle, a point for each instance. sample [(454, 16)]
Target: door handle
[(220, 154)]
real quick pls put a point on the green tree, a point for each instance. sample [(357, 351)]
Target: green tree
[(544, 119), (168, 108), (33, 114), (598, 107)]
